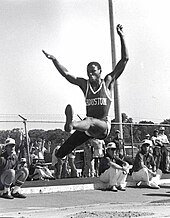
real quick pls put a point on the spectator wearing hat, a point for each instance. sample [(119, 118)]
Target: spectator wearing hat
[(119, 144), (147, 137), (164, 150), (155, 138), (144, 167), (113, 170), (162, 136), (12, 172)]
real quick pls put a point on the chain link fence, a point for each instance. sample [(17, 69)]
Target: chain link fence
[(132, 133)]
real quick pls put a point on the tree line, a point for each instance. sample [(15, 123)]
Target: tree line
[(136, 130)]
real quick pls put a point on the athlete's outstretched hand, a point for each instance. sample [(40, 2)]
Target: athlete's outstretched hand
[(51, 57), (120, 30)]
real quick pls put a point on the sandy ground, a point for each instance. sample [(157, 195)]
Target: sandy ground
[(134, 202)]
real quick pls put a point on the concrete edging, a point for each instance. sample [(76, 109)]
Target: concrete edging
[(79, 187), (51, 189)]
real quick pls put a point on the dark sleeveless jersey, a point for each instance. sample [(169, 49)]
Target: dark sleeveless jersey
[(97, 102)]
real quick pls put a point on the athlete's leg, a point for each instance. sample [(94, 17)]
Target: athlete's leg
[(76, 139), (69, 118), (95, 127)]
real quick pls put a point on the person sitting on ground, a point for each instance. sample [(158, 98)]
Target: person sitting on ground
[(98, 96), (12, 172), (141, 171), (113, 170), (38, 169)]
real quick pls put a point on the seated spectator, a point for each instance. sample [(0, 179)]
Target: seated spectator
[(144, 167), (12, 172), (38, 168), (113, 170), (39, 171)]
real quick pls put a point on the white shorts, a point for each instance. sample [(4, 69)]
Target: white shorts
[(108, 122)]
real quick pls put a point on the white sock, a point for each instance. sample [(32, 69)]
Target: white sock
[(16, 189), (6, 189)]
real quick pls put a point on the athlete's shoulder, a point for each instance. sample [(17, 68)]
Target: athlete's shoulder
[(82, 83)]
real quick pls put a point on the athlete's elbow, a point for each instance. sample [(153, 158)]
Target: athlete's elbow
[(125, 59)]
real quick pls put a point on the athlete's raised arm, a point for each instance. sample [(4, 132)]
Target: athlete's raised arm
[(120, 66), (63, 71)]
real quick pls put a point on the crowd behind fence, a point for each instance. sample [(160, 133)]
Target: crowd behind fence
[(132, 133)]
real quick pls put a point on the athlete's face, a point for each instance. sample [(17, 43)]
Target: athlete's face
[(93, 73)]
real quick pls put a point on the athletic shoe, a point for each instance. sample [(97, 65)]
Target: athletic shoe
[(120, 188), (153, 185), (18, 195), (69, 118), (7, 196), (112, 188)]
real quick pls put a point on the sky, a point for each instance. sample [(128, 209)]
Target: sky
[(77, 32)]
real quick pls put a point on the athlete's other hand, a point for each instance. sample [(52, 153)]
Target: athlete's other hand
[(120, 30), (51, 57)]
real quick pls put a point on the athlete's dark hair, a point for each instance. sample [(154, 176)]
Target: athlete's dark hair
[(96, 64)]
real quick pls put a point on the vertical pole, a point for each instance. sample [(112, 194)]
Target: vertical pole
[(131, 132), (26, 135), (118, 118)]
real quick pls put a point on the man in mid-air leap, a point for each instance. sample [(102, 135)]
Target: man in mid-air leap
[(98, 96)]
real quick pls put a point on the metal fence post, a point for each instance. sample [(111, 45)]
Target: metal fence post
[(131, 132)]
